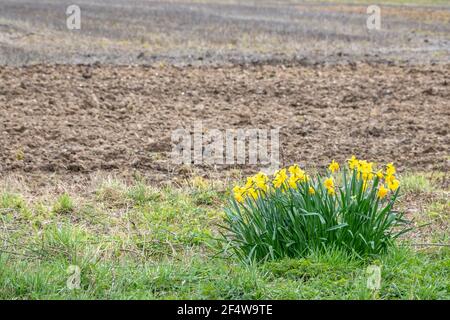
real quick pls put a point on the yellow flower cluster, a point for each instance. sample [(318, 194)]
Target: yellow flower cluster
[(329, 184), (365, 171), (296, 175), (283, 179), (254, 184), (392, 182), (260, 183)]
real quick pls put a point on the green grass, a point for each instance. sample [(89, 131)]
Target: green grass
[(63, 205), (140, 242), (405, 275), (416, 183)]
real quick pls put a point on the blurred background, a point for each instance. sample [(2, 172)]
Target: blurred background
[(222, 31)]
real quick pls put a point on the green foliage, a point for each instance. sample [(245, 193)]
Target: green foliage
[(439, 209), (415, 183), (140, 194), (14, 205), (292, 222), (405, 275), (160, 248), (63, 205)]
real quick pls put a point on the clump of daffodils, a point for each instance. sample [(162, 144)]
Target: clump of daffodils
[(293, 177), (291, 213)]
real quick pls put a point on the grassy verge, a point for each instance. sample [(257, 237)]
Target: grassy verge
[(139, 242)]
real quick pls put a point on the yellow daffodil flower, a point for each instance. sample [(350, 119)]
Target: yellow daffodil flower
[(239, 194), (334, 166), (280, 178), (365, 169), (293, 181), (390, 169), (298, 173), (382, 192), (389, 178), (249, 182), (261, 180), (253, 193), (329, 183), (394, 184), (353, 163), (380, 174), (294, 170)]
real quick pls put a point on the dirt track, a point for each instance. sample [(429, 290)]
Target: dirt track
[(73, 119)]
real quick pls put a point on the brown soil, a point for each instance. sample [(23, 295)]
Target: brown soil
[(73, 120)]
